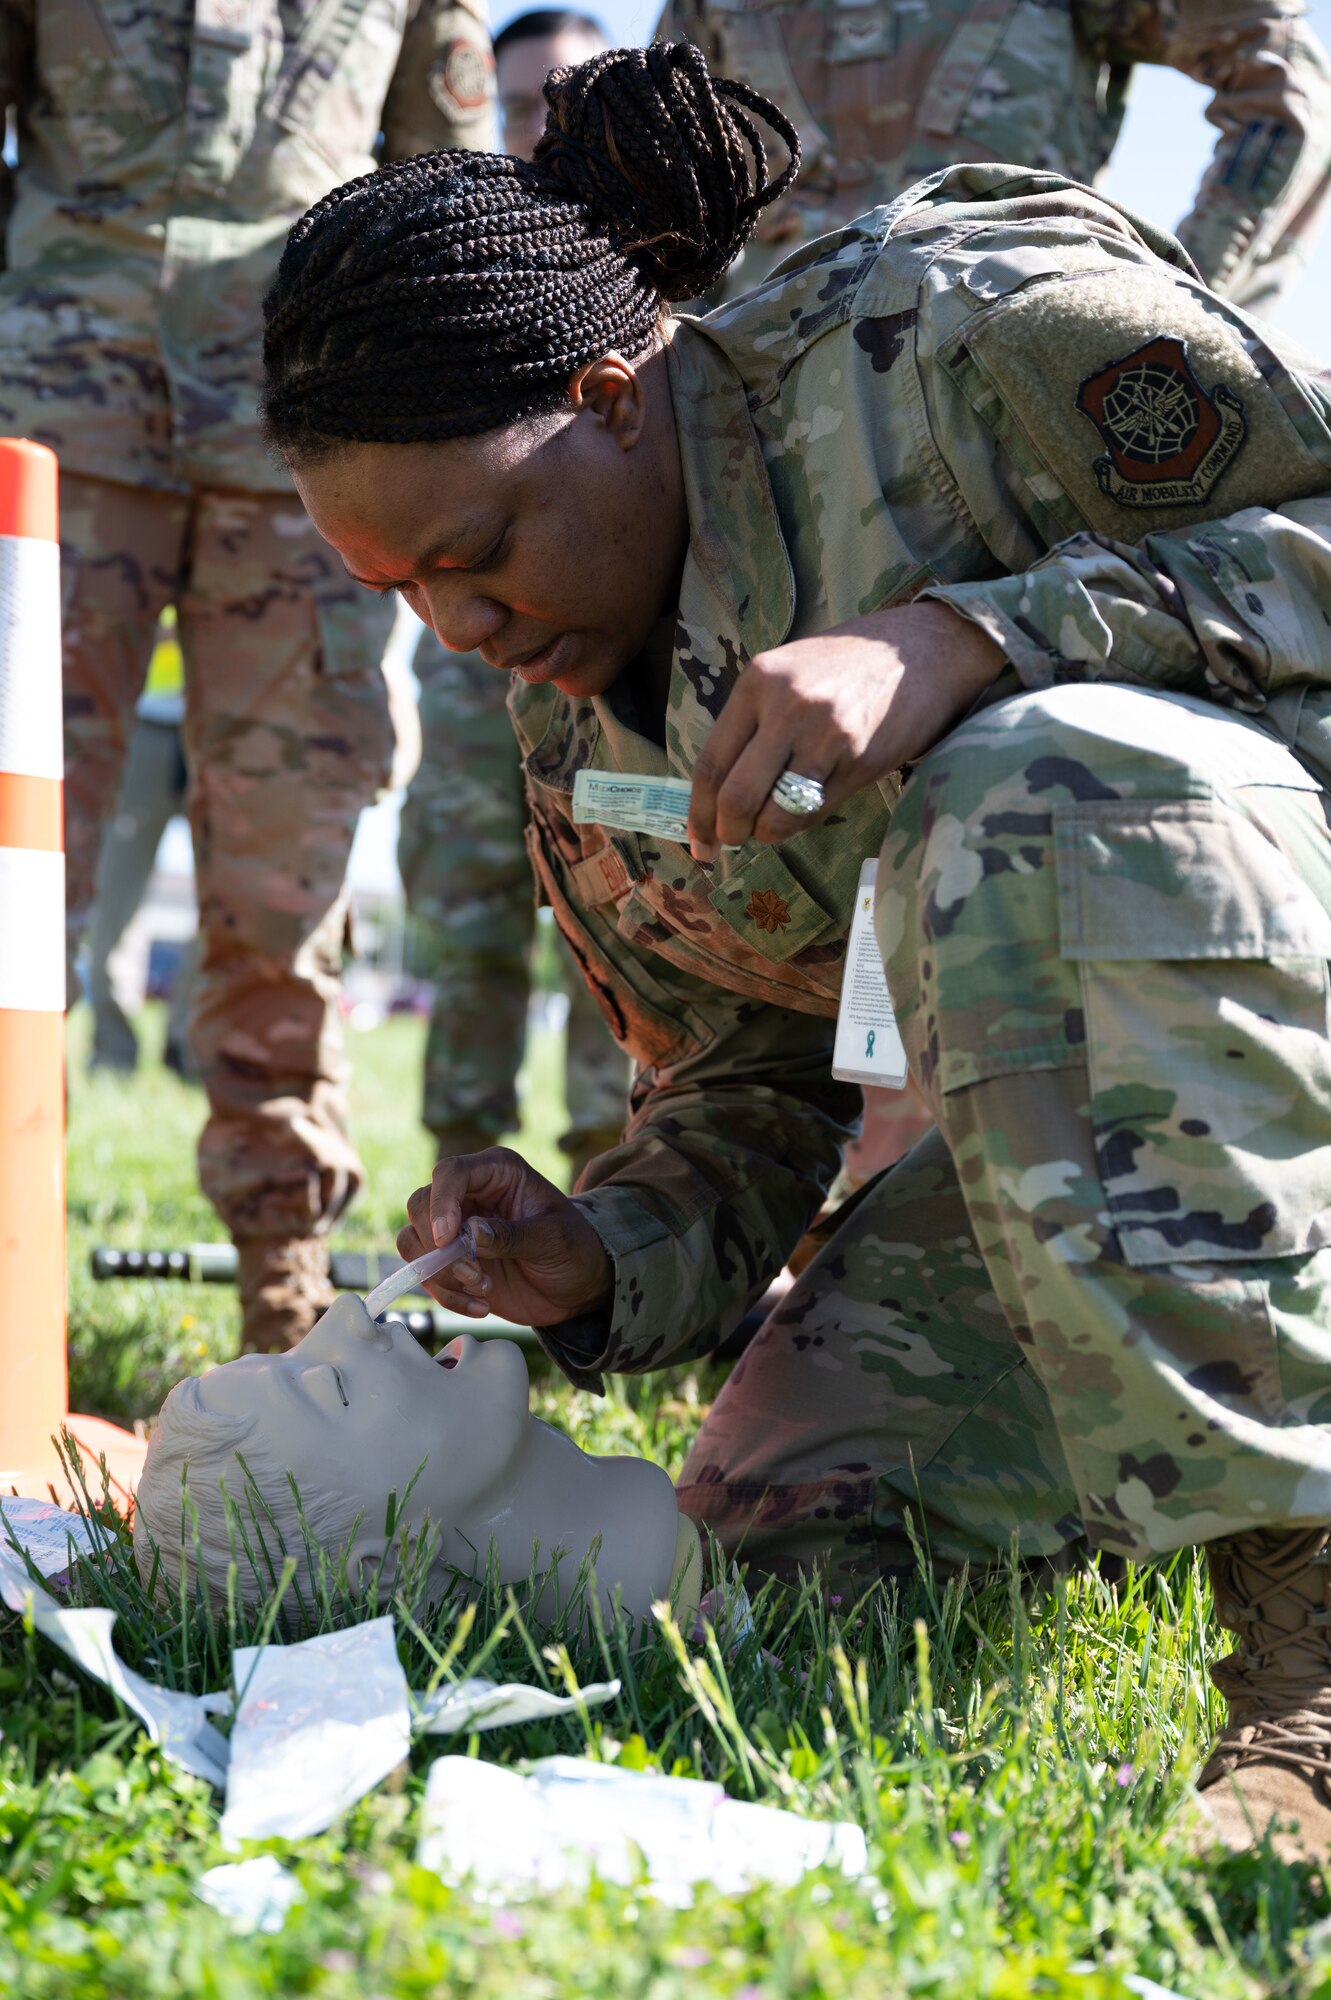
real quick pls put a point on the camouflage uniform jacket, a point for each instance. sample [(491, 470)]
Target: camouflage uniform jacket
[(885, 93), (933, 399), (164, 151)]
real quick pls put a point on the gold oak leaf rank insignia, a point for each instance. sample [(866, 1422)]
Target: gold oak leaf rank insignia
[(1169, 439)]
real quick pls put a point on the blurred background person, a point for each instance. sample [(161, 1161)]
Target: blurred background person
[(527, 48), (153, 791), (882, 94), (462, 847), (164, 148)]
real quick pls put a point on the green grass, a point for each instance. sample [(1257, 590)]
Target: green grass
[(1020, 1764)]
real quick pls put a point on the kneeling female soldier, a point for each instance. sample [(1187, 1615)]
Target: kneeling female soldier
[(934, 501)]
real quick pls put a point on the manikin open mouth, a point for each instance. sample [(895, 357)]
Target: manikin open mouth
[(453, 1353)]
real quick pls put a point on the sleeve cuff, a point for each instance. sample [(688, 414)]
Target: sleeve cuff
[(1045, 624), (588, 1344)]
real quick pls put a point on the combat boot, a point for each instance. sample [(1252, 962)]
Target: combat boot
[(284, 1286), (1271, 1765)]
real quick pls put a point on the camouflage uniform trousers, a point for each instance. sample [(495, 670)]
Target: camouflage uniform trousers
[(287, 737), (463, 856), (1093, 1306)]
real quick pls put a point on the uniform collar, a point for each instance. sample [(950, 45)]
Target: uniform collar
[(737, 593)]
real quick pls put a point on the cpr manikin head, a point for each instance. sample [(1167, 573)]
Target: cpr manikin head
[(359, 1413)]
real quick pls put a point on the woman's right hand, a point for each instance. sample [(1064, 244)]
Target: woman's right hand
[(538, 1258)]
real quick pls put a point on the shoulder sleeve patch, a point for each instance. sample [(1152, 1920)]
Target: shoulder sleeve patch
[(1127, 402), (1169, 439), (461, 76)]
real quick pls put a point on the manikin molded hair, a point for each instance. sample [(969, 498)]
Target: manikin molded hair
[(457, 292)]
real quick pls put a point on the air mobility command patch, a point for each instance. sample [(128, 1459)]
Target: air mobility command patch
[(1200, 415), (1169, 439)]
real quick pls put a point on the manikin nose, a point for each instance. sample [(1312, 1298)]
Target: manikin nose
[(345, 1321)]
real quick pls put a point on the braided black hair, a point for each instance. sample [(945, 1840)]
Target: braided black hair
[(457, 292)]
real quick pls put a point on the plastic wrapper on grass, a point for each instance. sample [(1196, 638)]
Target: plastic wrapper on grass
[(569, 1818), (318, 1725)]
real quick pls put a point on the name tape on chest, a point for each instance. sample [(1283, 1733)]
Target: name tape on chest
[(868, 1049), (229, 23), (635, 803)]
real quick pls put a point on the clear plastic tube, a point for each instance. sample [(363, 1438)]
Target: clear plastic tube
[(412, 1276)]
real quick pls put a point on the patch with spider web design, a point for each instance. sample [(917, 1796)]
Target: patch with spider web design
[(1168, 438)]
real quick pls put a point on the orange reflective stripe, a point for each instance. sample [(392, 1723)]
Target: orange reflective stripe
[(31, 812), (28, 490)]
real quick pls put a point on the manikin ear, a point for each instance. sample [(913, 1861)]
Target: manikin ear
[(613, 391), (365, 1555)]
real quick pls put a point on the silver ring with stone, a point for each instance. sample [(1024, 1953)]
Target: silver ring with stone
[(795, 793)]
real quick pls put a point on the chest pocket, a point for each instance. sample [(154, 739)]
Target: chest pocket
[(655, 1024), (777, 47), (109, 74)]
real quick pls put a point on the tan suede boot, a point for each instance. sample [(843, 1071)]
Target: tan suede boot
[(1271, 1765), (284, 1286)]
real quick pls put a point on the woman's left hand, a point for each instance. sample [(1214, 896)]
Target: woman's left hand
[(845, 708)]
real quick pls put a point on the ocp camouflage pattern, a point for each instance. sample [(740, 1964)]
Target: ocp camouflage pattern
[(462, 851), (163, 154), (895, 412), (883, 94)]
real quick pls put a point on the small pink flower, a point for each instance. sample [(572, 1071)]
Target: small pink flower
[(960, 1839), (507, 1925), (692, 1956), (1125, 1774)]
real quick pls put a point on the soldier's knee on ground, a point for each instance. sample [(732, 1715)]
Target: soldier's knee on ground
[(886, 1383)]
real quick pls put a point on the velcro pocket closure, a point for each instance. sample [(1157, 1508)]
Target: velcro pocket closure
[(602, 877), (1203, 969), (769, 908), (1176, 879)]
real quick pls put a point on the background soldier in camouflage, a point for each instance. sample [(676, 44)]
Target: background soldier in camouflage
[(163, 152), (463, 848), (883, 94), (463, 855)]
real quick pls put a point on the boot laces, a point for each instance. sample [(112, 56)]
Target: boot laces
[(1300, 1741), (1273, 1591)]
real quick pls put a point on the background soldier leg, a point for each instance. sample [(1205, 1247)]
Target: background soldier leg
[(597, 1075), (151, 790), (287, 737), (469, 886), (886, 1382), (120, 556)]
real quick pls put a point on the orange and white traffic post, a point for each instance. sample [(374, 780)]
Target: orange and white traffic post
[(33, 1370)]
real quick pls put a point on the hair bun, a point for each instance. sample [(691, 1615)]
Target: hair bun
[(665, 159)]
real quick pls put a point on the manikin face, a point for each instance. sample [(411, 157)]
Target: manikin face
[(520, 72), (359, 1406), (551, 547)]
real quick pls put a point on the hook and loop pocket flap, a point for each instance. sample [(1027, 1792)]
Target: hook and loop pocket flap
[(765, 903), (1179, 879)]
